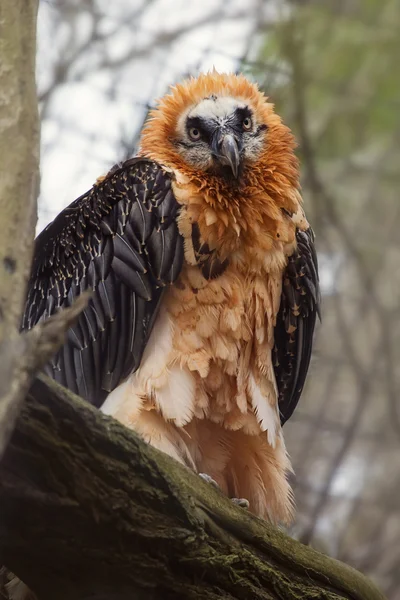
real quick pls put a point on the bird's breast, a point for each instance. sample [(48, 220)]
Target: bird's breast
[(221, 315), (210, 351), (222, 336)]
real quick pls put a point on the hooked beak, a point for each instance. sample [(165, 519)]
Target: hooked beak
[(228, 152)]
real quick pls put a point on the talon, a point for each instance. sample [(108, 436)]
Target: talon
[(242, 502), (209, 479)]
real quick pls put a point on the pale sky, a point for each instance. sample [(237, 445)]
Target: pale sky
[(86, 118)]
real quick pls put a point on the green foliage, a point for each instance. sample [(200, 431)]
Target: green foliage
[(349, 63)]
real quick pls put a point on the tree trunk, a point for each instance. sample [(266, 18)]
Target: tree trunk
[(90, 511), (19, 183), (20, 355)]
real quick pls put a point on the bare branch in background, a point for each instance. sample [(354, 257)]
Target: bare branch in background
[(67, 70)]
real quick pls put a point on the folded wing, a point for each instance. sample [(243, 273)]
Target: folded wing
[(121, 241), (300, 303)]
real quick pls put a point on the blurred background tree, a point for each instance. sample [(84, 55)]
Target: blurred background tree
[(331, 68)]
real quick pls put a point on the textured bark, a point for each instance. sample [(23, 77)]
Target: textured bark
[(19, 180), (90, 511)]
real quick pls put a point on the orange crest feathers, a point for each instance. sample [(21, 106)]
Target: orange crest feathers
[(275, 170), (161, 126)]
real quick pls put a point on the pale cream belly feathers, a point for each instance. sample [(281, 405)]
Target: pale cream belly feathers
[(205, 392)]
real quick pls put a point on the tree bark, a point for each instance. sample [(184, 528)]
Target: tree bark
[(19, 183), (20, 355), (91, 511)]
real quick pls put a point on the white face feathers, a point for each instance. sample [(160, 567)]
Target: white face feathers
[(215, 108), (220, 134)]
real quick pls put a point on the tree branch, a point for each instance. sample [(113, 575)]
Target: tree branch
[(91, 511)]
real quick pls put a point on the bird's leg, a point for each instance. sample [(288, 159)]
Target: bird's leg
[(242, 502)]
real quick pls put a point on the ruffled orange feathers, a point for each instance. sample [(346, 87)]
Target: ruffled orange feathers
[(160, 132), (267, 185)]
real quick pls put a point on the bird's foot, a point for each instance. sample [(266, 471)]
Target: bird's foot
[(242, 502), (209, 479)]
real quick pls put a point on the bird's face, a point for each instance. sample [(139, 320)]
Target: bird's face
[(220, 134)]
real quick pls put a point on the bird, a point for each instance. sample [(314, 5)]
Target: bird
[(205, 292)]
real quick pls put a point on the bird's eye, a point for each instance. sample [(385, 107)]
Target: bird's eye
[(246, 124), (194, 134)]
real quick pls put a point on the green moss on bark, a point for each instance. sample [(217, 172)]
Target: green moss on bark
[(91, 511)]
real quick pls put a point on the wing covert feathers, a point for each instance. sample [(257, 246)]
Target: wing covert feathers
[(121, 240)]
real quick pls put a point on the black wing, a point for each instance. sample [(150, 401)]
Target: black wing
[(121, 240), (300, 304)]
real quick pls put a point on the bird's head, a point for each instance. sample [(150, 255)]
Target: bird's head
[(219, 134), (219, 126)]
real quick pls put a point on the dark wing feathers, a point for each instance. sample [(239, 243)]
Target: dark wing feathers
[(300, 305), (121, 240)]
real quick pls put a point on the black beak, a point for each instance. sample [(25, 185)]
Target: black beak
[(227, 152)]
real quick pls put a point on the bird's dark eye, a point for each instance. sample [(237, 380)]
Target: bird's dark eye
[(246, 124), (194, 134)]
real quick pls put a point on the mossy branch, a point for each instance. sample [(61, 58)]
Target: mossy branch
[(91, 511)]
